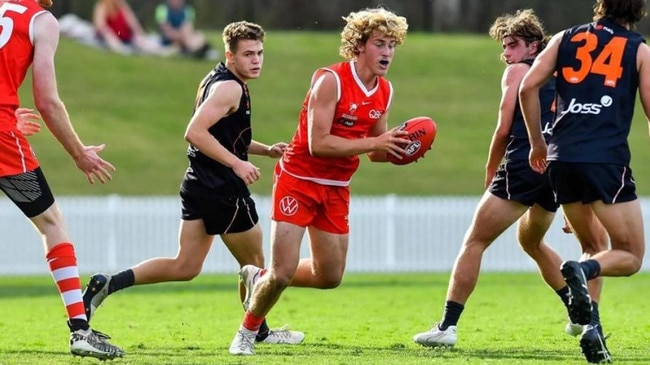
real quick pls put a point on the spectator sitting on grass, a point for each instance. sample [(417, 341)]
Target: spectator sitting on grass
[(118, 28), (176, 21)]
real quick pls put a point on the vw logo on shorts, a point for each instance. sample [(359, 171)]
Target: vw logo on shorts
[(288, 205)]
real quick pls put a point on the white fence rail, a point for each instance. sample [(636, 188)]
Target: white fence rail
[(388, 234)]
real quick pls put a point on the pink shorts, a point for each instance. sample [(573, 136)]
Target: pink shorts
[(306, 203)]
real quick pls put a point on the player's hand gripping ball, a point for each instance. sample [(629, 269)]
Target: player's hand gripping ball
[(422, 132)]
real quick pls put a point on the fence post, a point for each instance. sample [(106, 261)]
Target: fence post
[(390, 200), (112, 205)]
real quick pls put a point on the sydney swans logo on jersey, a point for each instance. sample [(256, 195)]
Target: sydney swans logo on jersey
[(348, 119), (288, 205), (375, 114), (588, 108)]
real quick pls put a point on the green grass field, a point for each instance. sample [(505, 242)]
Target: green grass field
[(140, 106), (510, 319)]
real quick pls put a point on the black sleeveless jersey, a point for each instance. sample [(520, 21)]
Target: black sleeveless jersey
[(232, 131), (597, 81), (518, 147)]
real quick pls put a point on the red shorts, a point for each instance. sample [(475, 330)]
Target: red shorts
[(16, 155), (306, 203)]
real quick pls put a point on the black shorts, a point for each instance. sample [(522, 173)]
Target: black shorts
[(220, 214), (516, 181), (29, 191), (590, 182)]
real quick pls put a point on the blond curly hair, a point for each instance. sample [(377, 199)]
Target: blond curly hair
[(360, 25)]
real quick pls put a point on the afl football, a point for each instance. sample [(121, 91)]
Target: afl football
[(422, 133)]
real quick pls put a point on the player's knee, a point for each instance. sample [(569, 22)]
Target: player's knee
[(330, 280), (255, 260), (530, 248), (631, 262), (330, 283), (49, 222), (591, 248), (636, 264), (187, 272), (278, 280), (476, 245)]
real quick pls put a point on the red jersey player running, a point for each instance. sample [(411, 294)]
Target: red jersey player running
[(344, 115)]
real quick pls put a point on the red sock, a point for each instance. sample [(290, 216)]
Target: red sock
[(63, 266), (262, 272), (251, 322)]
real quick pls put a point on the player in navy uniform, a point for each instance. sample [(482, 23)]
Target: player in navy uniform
[(599, 67), (514, 191), (214, 192)]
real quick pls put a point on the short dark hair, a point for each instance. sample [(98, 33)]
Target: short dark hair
[(242, 30)]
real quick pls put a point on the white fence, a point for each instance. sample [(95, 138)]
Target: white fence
[(388, 234)]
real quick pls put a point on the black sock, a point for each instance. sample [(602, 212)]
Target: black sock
[(78, 324), (263, 332), (564, 295), (595, 315), (121, 280), (591, 268), (451, 315)]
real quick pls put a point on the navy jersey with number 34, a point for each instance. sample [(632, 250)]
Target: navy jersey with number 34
[(597, 81)]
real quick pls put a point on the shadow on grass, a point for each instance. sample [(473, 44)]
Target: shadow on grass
[(43, 286), (144, 354), (507, 355), (527, 353), (47, 289)]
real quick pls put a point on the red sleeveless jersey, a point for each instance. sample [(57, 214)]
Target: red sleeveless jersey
[(16, 54), (357, 110)]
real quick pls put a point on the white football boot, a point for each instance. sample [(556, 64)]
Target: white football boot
[(243, 343), (285, 336), (437, 337)]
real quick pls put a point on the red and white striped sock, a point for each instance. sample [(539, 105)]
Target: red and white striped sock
[(63, 266), (251, 322)]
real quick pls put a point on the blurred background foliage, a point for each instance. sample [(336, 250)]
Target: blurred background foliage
[(469, 16)]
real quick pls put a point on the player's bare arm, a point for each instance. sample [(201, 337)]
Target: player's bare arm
[(321, 108), (52, 109), (510, 81), (537, 76), (274, 151), (377, 130), (643, 65), (223, 100)]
